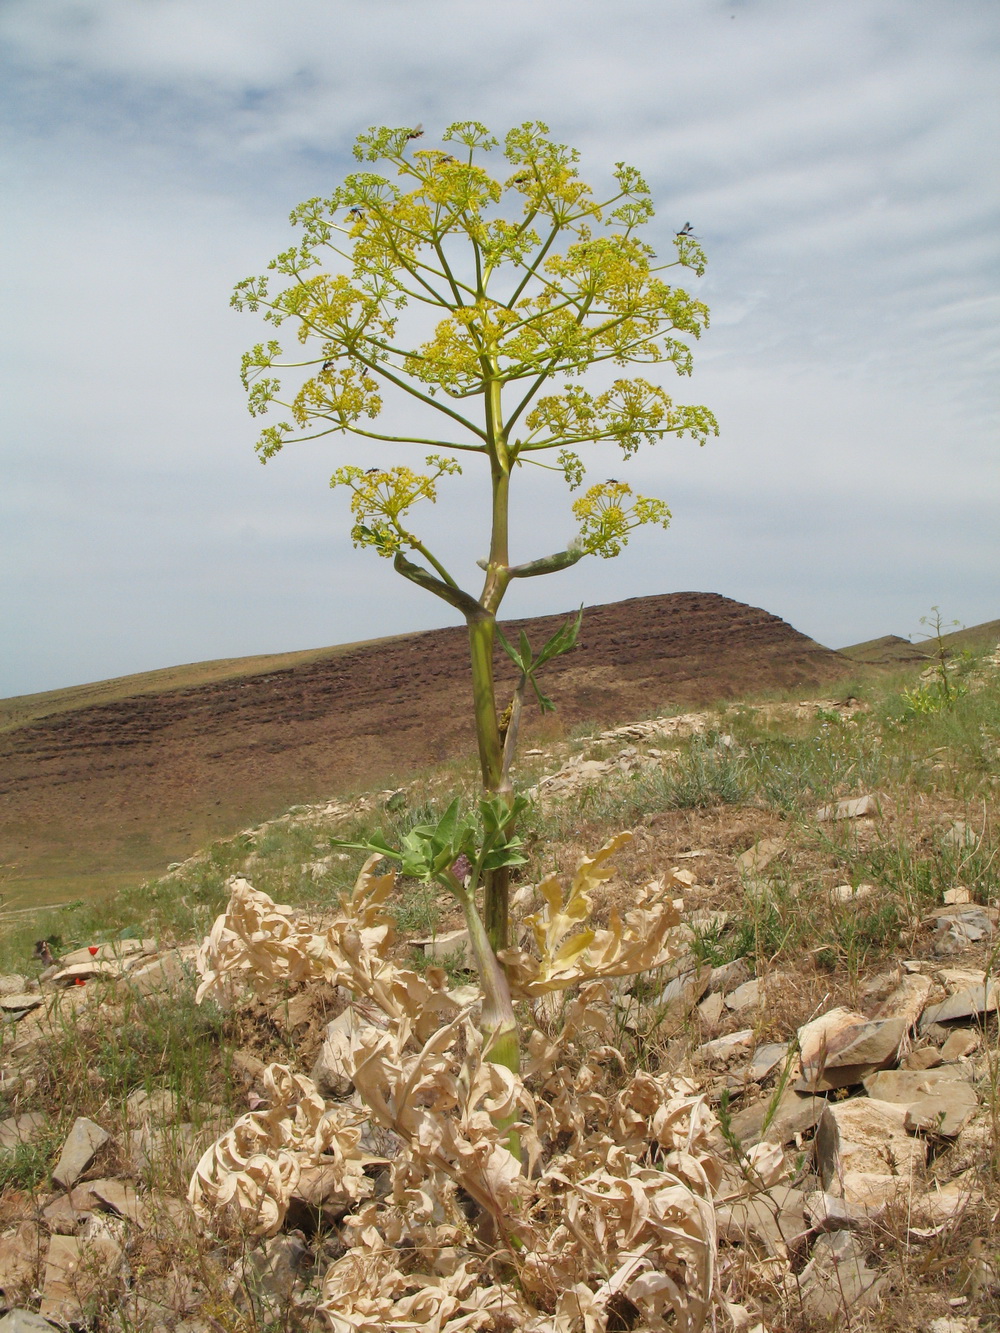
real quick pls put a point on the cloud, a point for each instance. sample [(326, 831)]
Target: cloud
[(830, 155)]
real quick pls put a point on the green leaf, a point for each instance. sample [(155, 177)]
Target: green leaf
[(512, 652), (562, 641)]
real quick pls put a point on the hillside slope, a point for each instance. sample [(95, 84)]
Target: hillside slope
[(108, 792)]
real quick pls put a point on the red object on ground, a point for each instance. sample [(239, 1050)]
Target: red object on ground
[(92, 949), (80, 981)]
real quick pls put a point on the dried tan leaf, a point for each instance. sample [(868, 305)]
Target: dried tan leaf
[(643, 942), (615, 1201), (244, 1181)]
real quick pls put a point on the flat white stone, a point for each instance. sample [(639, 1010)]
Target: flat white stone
[(13, 1004), (82, 1145), (857, 808), (723, 1047)]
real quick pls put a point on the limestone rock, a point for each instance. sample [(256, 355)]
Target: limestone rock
[(152, 1148), (61, 1217), (13, 984), (925, 1057), (76, 1267), (19, 1005), (712, 1008), (970, 1002), (723, 1048), (765, 1060), (168, 1215), (776, 1217), (20, 1251), (173, 971), (82, 1145), (957, 895), (759, 856), (906, 1085), (747, 996), (963, 1041), (728, 976), (863, 1152), (794, 1114), (248, 1067), (161, 1105), (706, 922), (841, 1048), (330, 1072), (850, 893), (22, 1128), (858, 808), (945, 1203), (837, 1280), (23, 1321), (115, 952), (121, 1198), (84, 971), (944, 1112), (684, 992), (294, 1012), (451, 944), (958, 927), (272, 1270), (828, 1212), (907, 1001)]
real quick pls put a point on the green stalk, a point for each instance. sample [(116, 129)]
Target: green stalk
[(496, 883), (481, 637)]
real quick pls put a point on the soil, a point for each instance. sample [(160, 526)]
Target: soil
[(110, 793)]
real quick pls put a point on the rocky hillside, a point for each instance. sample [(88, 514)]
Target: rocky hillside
[(108, 792)]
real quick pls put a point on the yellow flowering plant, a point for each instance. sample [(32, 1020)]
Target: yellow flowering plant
[(483, 300)]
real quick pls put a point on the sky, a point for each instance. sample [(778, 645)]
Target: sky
[(837, 158)]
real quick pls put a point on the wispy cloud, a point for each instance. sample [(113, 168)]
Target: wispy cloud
[(831, 155)]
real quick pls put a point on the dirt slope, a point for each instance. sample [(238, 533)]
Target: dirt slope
[(108, 792), (891, 650)]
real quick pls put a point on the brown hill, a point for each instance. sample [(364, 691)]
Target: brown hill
[(93, 794), (892, 651), (889, 651)]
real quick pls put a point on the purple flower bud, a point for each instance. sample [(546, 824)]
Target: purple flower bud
[(462, 868)]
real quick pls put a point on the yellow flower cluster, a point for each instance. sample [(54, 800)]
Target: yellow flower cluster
[(608, 512), (381, 496)]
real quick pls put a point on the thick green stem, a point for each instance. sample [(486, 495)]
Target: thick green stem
[(513, 726), (481, 635), (491, 763)]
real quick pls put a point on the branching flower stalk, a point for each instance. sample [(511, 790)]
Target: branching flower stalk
[(530, 282)]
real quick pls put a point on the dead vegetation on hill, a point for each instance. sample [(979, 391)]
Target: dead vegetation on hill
[(811, 1082)]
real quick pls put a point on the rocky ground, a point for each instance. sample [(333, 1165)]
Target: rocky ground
[(874, 1071)]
